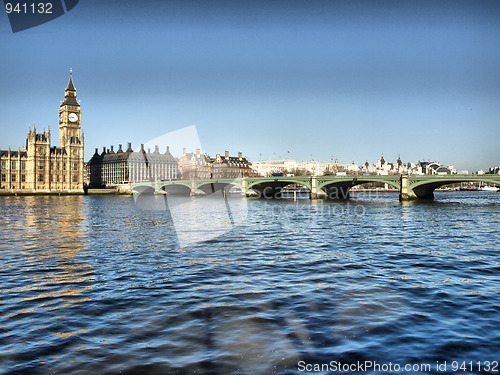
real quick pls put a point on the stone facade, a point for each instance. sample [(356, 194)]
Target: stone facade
[(230, 166), (38, 167), (194, 166), (112, 168), (198, 166)]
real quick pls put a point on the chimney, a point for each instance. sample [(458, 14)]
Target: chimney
[(168, 149), (184, 151), (120, 148), (157, 149), (129, 147), (240, 155), (149, 150), (142, 147), (104, 150), (226, 154), (96, 150), (112, 149), (197, 152)]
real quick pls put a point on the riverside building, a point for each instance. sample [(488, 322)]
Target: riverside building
[(112, 168), (202, 166), (42, 168)]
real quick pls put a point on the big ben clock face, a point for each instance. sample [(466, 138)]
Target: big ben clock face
[(72, 117)]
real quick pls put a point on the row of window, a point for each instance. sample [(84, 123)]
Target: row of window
[(13, 178), (41, 150), (13, 164), (156, 171), (40, 165), (55, 178)]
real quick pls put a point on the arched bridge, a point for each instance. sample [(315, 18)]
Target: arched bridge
[(334, 187)]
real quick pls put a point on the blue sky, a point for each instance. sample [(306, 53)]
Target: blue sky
[(299, 79)]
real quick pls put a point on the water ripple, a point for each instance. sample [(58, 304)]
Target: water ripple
[(95, 285)]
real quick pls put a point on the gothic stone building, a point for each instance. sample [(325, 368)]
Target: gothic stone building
[(38, 167)]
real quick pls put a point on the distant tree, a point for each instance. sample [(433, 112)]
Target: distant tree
[(301, 172)]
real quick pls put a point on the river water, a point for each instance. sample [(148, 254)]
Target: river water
[(103, 284)]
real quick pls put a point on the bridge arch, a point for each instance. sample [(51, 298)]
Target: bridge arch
[(338, 188), (176, 189), (170, 187), (422, 189), (212, 186), (143, 189), (271, 187)]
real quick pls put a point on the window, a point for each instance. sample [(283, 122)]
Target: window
[(23, 178), (4, 177), (64, 166), (13, 165), (13, 178), (75, 178), (40, 165), (4, 164), (40, 178), (23, 164), (64, 178), (75, 166)]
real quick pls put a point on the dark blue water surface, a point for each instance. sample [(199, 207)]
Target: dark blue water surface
[(96, 284)]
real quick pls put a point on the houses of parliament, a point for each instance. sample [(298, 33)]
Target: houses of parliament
[(38, 167)]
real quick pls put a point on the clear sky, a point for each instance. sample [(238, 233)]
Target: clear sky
[(298, 79)]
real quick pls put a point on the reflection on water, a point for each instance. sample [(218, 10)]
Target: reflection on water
[(98, 284), (42, 274), (197, 219)]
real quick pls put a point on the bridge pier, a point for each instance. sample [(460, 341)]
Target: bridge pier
[(244, 187), (193, 188), (407, 193), (404, 193), (314, 188)]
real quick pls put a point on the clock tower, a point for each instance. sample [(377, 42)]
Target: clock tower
[(71, 139), (70, 117)]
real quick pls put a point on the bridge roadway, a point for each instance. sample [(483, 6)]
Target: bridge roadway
[(333, 187)]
